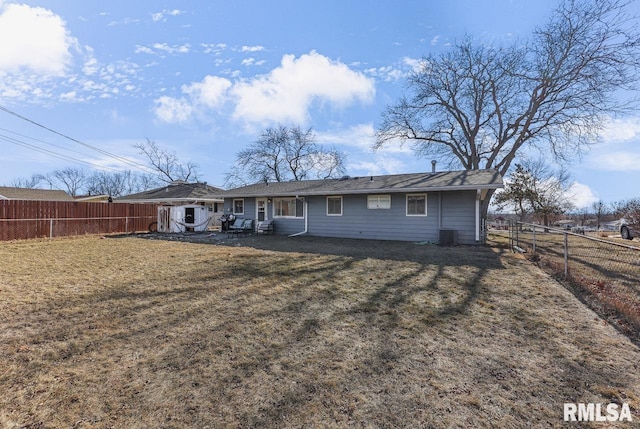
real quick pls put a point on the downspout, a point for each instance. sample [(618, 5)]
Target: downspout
[(306, 220), (440, 210), (478, 196)]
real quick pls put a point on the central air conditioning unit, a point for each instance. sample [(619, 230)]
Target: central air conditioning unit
[(448, 237)]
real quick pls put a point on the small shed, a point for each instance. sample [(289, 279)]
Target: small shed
[(185, 194), (190, 217)]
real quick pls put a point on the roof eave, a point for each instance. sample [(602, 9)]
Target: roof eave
[(166, 200), (366, 191)]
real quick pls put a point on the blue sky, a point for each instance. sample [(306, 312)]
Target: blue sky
[(203, 78)]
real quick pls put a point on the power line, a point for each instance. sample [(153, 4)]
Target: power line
[(134, 164), (41, 141), (51, 153)]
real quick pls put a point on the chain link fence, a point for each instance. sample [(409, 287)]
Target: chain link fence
[(607, 269)]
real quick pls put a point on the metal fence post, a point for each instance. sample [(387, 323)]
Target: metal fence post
[(51, 228), (566, 255), (534, 240)]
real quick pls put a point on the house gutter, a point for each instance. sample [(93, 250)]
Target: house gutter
[(306, 220), (268, 193)]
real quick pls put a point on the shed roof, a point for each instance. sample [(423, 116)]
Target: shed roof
[(415, 182), (10, 193), (177, 191)]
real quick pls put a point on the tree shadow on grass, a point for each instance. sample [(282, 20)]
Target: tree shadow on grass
[(288, 330)]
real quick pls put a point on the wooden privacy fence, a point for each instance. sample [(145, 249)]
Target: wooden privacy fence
[(20, 219)]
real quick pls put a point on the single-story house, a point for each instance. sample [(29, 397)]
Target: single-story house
[(11, 193), (410, 207), (181, 193)]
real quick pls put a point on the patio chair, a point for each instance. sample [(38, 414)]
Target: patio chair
[(265, 227), (240, 226), (247, 226)]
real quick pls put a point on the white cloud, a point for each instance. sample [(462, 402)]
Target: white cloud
[(620, 130), (180, 49), (252, 48), (90, 66), (248, 61), (396, 72), (616, 161), (582, 195), (620, 150), (161, 16), (379, 165), (284, 95), (34, 38), (143, 50), (211, 92), (288, 91), (216, 48), (161, 48), (361, 136), (172, 110)]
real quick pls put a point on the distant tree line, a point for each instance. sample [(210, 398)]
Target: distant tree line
[(535, 190), (163, 167), (78, 181)]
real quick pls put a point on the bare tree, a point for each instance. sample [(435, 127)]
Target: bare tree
[(281, 154), (534, 187), (68, 179), (167, 165), (629, 210), (478, 107), (117, 184), (28, 182), (600, 209)]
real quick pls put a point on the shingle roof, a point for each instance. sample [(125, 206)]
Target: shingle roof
[(10, 193), (177, 191), (417, 182)]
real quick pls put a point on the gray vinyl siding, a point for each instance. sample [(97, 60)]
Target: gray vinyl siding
[(249, 207), (357, 221), (445, 210), (458, 212)]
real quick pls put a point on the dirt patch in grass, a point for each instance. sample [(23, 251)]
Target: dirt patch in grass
[(305, 332)]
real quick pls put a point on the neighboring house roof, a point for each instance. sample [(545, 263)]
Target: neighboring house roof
[(92, 198), (177, 191), (9, 193), (407, 183)]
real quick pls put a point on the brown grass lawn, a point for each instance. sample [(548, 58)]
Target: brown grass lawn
[(137, 333), (606, 275)]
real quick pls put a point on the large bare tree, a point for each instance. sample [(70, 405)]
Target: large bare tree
[(285, 153), (479, 107)]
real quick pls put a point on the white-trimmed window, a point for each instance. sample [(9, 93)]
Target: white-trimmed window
[(417, 205), (378, 202), (238, 206), (288, 207), (334, 206)]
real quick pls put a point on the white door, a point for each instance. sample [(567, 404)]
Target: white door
[(261, 209)]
